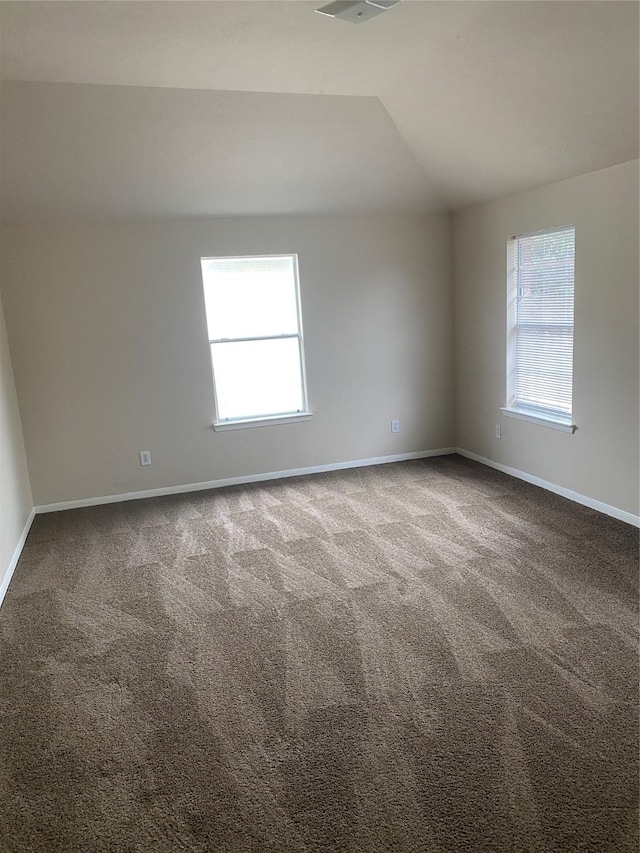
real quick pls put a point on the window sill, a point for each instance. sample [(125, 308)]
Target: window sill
[(249, 423), (553, 423)]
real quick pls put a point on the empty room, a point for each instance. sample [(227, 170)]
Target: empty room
[(319, 426)]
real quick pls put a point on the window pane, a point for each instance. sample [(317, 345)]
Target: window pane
[(541, 362), (250, 297), (256, 378), (544, 369)]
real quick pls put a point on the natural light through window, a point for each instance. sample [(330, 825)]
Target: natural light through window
[(540, 326), (255, 335)]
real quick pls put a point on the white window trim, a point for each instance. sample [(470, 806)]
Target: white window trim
[(541, 418), (248, 423), (221, 425), (521, 415)]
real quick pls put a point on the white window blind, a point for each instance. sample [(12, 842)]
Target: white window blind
[(541, 295), (255, 335)]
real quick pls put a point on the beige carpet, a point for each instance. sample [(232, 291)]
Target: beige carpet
[(417, 657)]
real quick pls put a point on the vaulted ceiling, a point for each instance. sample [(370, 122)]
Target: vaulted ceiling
[(173, 108)]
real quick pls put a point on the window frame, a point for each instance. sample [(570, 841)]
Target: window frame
[(538, 415), (258, 420)]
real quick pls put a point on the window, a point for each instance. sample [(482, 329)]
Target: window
[(540, 327), (255, 335)]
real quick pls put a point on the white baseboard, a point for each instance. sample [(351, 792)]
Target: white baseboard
[(613, 511), (237, 481), (4, 586)]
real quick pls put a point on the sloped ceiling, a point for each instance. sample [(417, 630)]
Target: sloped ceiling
[(228, 107)]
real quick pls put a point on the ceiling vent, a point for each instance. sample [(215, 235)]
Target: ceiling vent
[(356, 11)]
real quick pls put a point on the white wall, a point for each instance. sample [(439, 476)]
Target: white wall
[(600, 460), (15, 492), (108, 335)]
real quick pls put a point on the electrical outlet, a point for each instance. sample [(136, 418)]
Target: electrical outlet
[(498, 431), (395, 426), (145, 457)]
